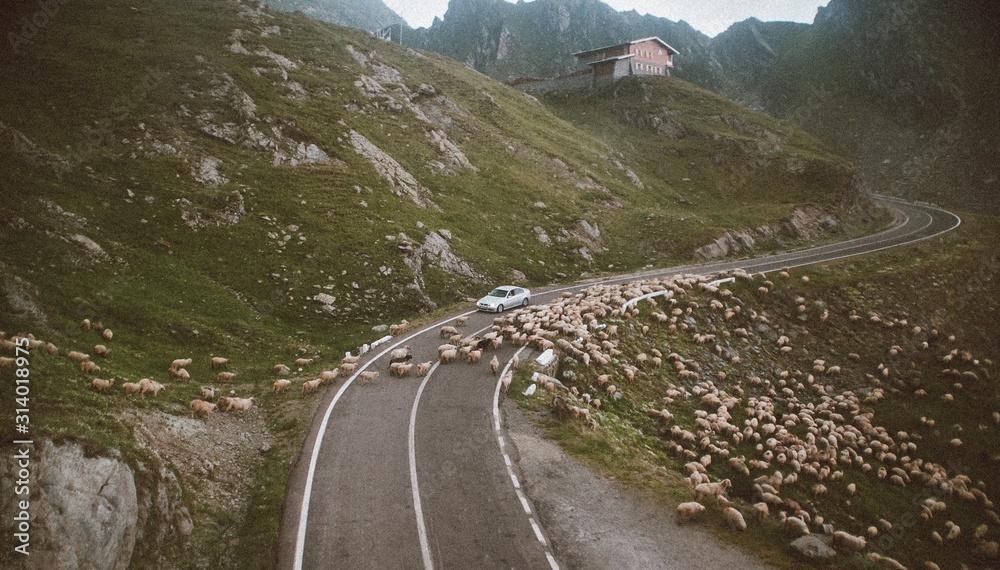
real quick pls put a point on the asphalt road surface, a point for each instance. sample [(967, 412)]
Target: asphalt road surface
[(416, 472)]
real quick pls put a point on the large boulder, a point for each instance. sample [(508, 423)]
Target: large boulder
[(83, 510), (812, 548)]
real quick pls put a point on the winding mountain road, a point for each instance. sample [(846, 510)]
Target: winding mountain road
[(418, 472)]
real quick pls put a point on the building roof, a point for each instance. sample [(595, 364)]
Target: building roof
[(653, 38), (615, 58)]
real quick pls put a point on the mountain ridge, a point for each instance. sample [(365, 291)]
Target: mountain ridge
[(869, 78), (227, 180)]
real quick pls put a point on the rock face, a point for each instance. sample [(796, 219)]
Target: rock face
[(84, 509), (90, 512), (403, 183), (435, 251), (805, 222)]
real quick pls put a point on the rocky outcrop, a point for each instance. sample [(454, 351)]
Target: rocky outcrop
[(31, 152), (221, 98), (207, 172), (92, 512), (403, 183), (452, 157), (813, 549), (436, 251), (84, 510), (228, 213), (805, 222)]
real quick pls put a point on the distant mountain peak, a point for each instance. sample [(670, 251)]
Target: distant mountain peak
[(361, 14)]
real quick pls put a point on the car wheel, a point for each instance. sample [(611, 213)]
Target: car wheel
[(525, 302), (499, 308)]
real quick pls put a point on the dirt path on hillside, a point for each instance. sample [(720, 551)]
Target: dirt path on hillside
[(596, 523)]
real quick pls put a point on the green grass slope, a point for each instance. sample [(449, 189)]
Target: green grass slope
[(912, 335), (216, 179)]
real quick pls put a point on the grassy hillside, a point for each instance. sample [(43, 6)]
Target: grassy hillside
[(217, 179), (912, 336)]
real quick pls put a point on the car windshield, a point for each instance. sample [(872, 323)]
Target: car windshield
[(498, 292)]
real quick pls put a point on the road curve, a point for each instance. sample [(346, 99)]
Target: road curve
[(416, 472)]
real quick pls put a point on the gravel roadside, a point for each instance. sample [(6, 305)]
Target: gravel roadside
[(596, 523)]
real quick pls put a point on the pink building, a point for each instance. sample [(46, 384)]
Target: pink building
[(648, 56)]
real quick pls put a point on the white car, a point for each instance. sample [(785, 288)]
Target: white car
[(504, 297)]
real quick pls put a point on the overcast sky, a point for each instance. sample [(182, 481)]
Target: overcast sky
[(710, 17)]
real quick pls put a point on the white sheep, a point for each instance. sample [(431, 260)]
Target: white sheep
[(101, 350), (716, 490), (309, 385), (237, 404), (494, 364), (760, 512), (77, 357), (848, 542), (219, 362), (131, 388), (150, 385), (400, 369), (401, 327), (367, 376), (107, 335), (180, 373), (448, 355), (505, 381), (303, 362), (180, 363), (424, 367), (329, 375), (225, 377), (101, 385), (689, 511), (207, 393), (280, 385), (795, 526), (399, 353), (734, 519), (201, 408)]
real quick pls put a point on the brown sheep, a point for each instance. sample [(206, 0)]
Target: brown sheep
[(201, 408)]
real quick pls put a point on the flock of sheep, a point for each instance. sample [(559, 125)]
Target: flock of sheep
[(789, 432), (797, 435), (201, 406)]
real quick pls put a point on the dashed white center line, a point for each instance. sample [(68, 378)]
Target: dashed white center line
[(497, 429)]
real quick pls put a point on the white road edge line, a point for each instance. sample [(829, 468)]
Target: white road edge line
[(300, 540), (425, 547), (497, 427), (798, 255)]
